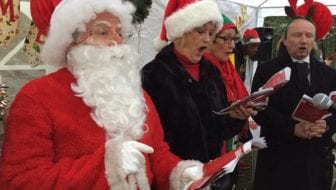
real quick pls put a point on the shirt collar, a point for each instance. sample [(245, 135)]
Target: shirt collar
[(306, 59)]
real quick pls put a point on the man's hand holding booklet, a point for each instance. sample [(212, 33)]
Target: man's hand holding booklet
[(258, 100), (306, 111)]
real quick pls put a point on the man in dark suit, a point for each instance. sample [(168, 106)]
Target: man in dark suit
[(298, 156)]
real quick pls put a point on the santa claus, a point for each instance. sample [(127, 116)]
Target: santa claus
[(88, 125)]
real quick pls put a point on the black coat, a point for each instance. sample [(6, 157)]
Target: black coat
[(186, 106), (240, 60), (290, 162)]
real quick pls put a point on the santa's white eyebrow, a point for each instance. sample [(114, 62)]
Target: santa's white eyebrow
[(98, 22)]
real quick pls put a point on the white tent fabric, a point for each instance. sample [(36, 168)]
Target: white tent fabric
[(275, 3), (256, 11), (266, 8)]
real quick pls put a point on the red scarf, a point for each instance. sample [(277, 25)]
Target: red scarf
[(234, 85), (190, 67)]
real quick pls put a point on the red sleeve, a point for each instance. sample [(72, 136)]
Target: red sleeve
[(162, 160), (28, 155)]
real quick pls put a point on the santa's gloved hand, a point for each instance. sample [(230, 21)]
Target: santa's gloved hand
[(132, 156), (191, 174)]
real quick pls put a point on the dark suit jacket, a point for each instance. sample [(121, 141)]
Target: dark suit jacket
[(186, 106), (289, 162), (240, 61)]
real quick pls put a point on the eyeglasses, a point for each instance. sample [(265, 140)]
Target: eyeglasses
[(102, 37), (108, 33), (229, 39)]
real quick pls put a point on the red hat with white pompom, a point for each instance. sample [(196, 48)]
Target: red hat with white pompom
[(251, 36), (182, 16)]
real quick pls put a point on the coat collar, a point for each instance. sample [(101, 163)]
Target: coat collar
[(170, 63), (286, 60)]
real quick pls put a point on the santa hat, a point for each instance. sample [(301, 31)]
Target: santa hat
[(182, 16), (250, 36), (71, 16), (227, 23), (41, 13)]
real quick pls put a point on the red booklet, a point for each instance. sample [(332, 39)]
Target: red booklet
[(306, 111), (279, 79), (225, 164), (257, 99), (214, 169)]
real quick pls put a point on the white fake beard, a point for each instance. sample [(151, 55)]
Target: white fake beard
[(109, 81)]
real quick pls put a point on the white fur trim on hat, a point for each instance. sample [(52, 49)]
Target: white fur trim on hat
[(191, 16), (159, 44), (252, 41), (71, 16)]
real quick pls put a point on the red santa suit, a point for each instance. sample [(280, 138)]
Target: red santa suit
[(51, 142)]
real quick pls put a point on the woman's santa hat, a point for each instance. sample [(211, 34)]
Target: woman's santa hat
[(71, 16), (182, 16), (250, 36)]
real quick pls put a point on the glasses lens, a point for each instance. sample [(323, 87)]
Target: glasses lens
[(229, 39)]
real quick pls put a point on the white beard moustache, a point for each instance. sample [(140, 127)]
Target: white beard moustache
[(109, 81)]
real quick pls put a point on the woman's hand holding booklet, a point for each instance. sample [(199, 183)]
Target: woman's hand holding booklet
[(258, 100)]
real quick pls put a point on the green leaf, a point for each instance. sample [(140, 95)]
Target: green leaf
[(142, 10)]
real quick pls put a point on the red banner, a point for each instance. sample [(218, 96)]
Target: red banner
[(9, 21), (7, 6)]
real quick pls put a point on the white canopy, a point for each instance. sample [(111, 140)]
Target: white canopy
[(274, 3), (264, 8)]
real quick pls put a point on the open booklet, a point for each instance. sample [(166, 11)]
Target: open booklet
[(306, 111), (257, 99), (226, 163)]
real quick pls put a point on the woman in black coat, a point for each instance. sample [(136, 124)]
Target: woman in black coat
[(186, 89)]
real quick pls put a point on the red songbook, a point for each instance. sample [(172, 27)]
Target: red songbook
[(256, 99), (279, 79), (215, 168), (306, 111), (226, 163)]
